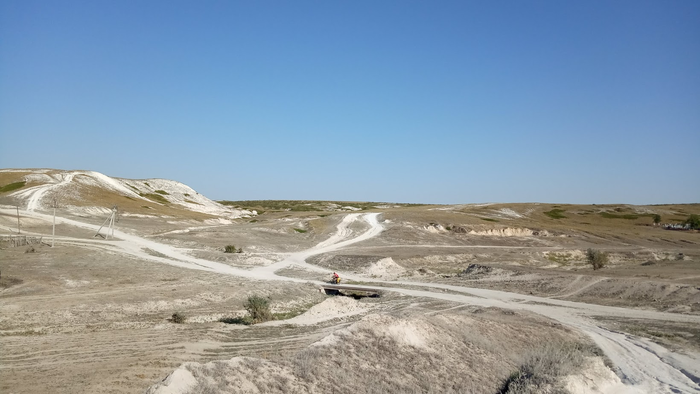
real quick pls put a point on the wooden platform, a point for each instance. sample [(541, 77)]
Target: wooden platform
[(351, 291)]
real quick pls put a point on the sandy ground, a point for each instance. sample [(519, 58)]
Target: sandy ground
[(90, 305)]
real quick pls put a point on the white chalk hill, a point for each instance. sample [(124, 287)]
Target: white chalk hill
[(90, 192)]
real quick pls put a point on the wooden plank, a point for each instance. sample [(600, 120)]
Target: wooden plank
[(351, 288)]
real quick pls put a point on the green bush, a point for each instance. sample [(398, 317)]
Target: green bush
[(163, 192), (300, 230), (178, 318), (596, 258), (258, 308), (232, 249)]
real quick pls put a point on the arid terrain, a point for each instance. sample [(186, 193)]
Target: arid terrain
[(475, 298)]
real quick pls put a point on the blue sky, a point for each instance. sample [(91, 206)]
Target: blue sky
[(405, 101)]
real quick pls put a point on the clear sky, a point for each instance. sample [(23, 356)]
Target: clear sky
[(404, 101)]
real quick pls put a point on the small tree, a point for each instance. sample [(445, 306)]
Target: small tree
[(693, 221), (596, 258), (259, 308), (657, 218), (178, 318)]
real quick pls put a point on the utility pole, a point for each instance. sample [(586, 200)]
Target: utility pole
[(110, 227), (53, 230), (54, 205)]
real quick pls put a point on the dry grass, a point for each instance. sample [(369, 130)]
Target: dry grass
[(542, 368)]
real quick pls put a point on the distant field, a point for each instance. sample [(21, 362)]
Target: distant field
[(309, 206)]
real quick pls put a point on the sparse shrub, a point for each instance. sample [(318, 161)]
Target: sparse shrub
[(230, 249), (299, 230), (542, 368), (596, 258), (259, 308), (306, 363), (30, 250), (657, 218), (178, 318), (163, 192), (693, 221)]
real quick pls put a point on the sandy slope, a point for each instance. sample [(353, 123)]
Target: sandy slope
[(645, 367)]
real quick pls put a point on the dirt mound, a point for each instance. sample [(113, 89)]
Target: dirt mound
[(240, 375), (385, 269)]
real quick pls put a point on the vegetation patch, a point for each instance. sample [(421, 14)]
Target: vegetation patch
[(258, 308), (300, 230), (560, 258), (596, 258), (627, 216), (489, 219), (556, 214), (178, 318), (163, 192), (232, 249), (192, 202), (693, 221), (12, 186), (155, 197), (306, 205)]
